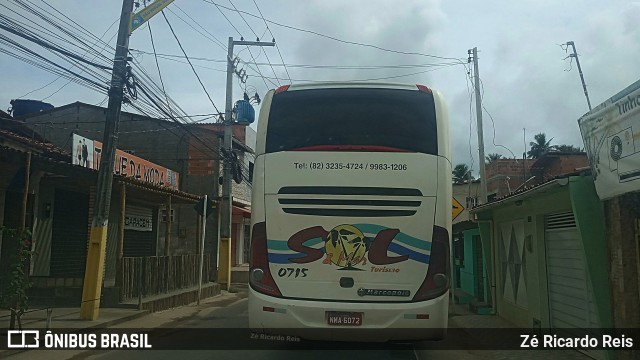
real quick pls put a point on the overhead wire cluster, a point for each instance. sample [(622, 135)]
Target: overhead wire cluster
[(154, 98), (471, 87), (77, 55), (61, 40), (74, 53)]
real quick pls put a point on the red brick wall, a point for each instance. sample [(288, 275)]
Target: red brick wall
[(498, 171), (566, 164), (201, 157), (239, 131)]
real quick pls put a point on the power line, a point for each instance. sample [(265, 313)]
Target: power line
[(187, 57), (210, 36), (49, 45), (40, 88), (61, 70), (338, 39), (492, 121), (63, 29), (470, 92), (103, 34), (274, 39), (153, 45), (74, 23), (257, 39), (51, 66), (310, 66), (34, 58), (247, 47), (368, 79)]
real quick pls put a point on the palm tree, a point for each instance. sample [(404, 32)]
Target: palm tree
[(540, 146), (492, 157), (568, 148), (461, 174)]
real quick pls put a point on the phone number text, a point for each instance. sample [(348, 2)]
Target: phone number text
[(350, 166)]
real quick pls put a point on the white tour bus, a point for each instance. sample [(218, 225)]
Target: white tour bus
[(351, 213)]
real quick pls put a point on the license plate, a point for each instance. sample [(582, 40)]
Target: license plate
[(338, 318)]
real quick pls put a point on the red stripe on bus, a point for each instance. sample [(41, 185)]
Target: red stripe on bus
[(367, 148)]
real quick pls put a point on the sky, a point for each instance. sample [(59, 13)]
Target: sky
[(528, 83)]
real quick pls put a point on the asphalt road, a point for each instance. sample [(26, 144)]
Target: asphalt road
[(230, 311)]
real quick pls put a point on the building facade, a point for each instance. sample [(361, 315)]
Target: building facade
[(191, 150), (505, 176), (547, 256), (60, 194)]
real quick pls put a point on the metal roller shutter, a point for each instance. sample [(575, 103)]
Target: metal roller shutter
[(69, 234), (571, 303), (139, 237)]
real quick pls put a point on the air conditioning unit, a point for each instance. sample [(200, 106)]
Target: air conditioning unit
[(621, 145), (623, 157)]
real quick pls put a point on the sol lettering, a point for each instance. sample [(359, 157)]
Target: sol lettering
[(345, 246)]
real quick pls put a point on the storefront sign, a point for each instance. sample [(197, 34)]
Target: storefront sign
[(87, 153), (138, 218)]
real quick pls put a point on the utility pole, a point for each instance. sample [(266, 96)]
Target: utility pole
[(204, 228), (93, 275), (584, 86), (224, 275), (94, 271), (483, 180), (524, 157)]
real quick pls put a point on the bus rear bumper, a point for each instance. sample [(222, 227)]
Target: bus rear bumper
[(425, 320)]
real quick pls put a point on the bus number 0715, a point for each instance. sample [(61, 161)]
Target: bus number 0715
[(288, 272)]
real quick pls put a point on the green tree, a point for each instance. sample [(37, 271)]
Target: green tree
[(14, 280), (492, 157), (461, 174), (568, 148), (539, 146)]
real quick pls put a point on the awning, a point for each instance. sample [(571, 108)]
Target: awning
[(245, 212)]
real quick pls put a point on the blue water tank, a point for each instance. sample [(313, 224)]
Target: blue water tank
[(21, 107), (245, 114)]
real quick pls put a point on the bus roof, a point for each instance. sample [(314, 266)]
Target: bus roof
[(351, 84)]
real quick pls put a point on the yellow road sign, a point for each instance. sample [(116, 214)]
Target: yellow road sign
[(457, 209), (147, 13)]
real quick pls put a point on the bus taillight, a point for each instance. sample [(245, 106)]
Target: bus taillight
[(282, 88), (424, 89), (260, 277), (437, 281)]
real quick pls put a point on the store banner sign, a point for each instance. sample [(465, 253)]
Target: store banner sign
[(87, 153), (609, 133)]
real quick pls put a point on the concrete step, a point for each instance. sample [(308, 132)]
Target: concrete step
[(240, 276), (172, 300), (462, 297), (480, 308)]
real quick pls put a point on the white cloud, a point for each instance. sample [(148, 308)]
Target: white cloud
[(521, 64)]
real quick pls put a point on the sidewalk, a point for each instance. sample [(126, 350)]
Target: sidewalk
[(461, 317), (69, 317)]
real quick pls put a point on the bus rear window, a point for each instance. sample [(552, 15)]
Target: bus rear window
[(390, 119)]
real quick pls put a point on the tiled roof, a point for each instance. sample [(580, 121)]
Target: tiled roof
[(44, 147), (63, 166)]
